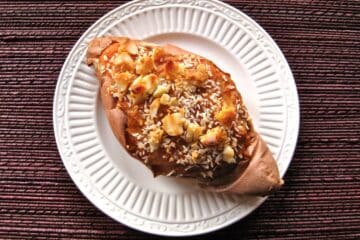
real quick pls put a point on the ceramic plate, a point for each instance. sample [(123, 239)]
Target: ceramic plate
[(122, 187)]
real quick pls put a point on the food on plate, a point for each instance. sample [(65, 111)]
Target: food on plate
[(181, 116)]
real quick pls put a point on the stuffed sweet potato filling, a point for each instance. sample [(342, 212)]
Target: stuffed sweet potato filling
[(178, 113), (185, 117)]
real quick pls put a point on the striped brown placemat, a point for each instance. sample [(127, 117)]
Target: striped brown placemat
[(321, 198)]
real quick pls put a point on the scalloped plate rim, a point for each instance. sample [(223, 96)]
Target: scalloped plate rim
[(67, 165)]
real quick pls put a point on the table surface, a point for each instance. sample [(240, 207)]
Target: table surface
[(321, 198)]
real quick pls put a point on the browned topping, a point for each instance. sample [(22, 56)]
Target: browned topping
[(154, 107), (123, 62), (155, 137), (141, 87), (173, 124), (121, 83), (214, 136), (193, 132), (227, 115), (144, 65), (131, 48), (228, 154), (183, 112)]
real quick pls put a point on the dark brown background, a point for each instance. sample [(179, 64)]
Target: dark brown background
[(321, 198)]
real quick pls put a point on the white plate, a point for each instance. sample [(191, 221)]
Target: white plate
[(123, 188)]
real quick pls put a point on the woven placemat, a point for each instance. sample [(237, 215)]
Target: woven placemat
[(321, 198)]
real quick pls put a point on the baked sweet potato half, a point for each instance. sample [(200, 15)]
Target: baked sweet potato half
[(181, 116)]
